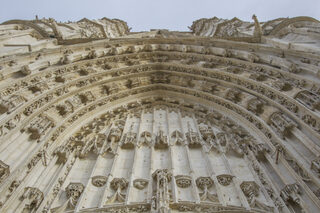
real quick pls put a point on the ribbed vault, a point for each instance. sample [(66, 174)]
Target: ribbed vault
[(72, 118)]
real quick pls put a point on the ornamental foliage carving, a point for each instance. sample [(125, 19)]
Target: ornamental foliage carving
[(132, 118)]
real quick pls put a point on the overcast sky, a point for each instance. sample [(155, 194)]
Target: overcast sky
[(143, 15)]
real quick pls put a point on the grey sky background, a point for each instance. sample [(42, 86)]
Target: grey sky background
[(143, 15)]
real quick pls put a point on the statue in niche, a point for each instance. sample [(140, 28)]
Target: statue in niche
[(208, 136), (116, 131), (118, 184), (205, 183), (282, 123), (162, 196), (129, 139), (33, 197), (74, 191), (193, 138), (161, 140), (93, 143), (251, 190), (145, 138), (177, 138)]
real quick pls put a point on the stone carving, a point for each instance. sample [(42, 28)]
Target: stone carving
[(183, 181), (39, 126), (140, 183), (39, 87), (161, 140), (282, 123), (116, 131), (145, 139), (291, 193), (63, 153), (161, 198), (309, 99), (33, 197), (224, 179), (129, 139), (233, 95), (74, 191), (86, 97), (97, 87), (193, 138), (118, 184), (259, 150), (93, 142), (4, 171), (209, 137), (251, 191), (99, 180), (205, 183), (66, 108), (315, 165), (177, 138), (255, 105), (10, 104)]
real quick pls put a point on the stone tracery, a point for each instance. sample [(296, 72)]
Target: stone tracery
[(161, 122)]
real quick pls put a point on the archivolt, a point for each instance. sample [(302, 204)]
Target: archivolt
[(228, 94)]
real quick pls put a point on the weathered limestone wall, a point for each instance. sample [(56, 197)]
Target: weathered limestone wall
[(224, 118)]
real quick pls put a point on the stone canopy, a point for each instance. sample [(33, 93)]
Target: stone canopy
[(222, 118)]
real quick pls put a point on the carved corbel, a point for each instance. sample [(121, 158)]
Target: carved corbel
[(140, 183), (99, 180), (225, 179), (183, 181)]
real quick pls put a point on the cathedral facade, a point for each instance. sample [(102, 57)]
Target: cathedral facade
[(222, 118)]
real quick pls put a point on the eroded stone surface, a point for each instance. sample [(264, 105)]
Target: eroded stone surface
[(224, 118)]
